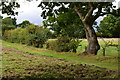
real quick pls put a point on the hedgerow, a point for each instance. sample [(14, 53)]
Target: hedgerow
[(31, 35)]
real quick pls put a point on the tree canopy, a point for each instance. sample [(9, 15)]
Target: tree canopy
[(66, 24), (24, 24), (102, 8), (109, 26), (7, 24), (9, 7)]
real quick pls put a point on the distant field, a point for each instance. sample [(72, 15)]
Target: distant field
[(106, 39), (100, 39)]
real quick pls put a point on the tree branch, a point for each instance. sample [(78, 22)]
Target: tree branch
[(100, 13), (79, 11), (104, 13), (90, 12)]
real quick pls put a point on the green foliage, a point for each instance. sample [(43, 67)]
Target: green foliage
[(109, 26), (63, 45), (51, 45), (0, 27), (83, 8), (22, 37), (24, 24), (7, 35), (9, 7), (99, 34), (66, 24), (74, 43), (8, 24), (31, 35)]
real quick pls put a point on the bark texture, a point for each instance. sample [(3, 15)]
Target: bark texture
[(88, 20), (93, 45)]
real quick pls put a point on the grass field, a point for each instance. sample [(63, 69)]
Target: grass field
[(110, 51), (28, 63)]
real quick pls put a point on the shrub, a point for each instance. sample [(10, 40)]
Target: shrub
[(74, 43), (22, 36), (31, 35), (14, 35), (51, 45), (37, 36), (7, 35), (63, 45)]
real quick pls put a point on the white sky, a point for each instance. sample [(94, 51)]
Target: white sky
[(29, 11)]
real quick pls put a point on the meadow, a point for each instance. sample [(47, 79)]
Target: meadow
[(26, 62)]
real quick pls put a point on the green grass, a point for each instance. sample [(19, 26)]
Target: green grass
[(19, 64), (110, 51), (109, 62), (29, 67)]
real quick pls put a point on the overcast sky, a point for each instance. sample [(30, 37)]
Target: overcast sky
[(29, 11)]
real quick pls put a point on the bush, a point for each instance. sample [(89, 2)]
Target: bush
[(31, 35), (74, 43), (51, 45), (63, 45), (22, 36), (14, 35), (38, 36), (7, 35)]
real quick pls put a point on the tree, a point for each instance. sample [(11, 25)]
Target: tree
[(24, 24), (87, 14), (14, 22), (61, 25), (9, 7), (0, 27), (7, 24), (110, 26)]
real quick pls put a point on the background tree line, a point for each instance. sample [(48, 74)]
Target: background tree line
[(31, 35), (109, 27)]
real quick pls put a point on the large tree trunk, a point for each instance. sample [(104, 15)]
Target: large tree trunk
[(93, 45), (88, 20)]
